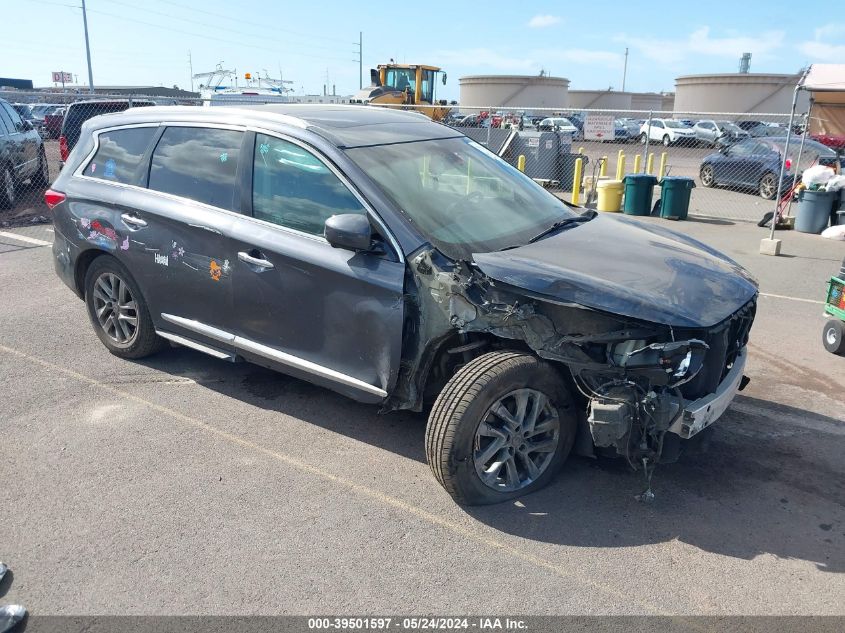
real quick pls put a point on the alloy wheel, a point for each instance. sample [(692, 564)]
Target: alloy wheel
[(768, 188), (516, 440), (831, 336), (115, 308)]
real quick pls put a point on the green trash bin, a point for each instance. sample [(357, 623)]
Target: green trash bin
[(639, 189), (674, 197)]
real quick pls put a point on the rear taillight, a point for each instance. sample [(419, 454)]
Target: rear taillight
[(788, 164), (63, 151), (52, 198)]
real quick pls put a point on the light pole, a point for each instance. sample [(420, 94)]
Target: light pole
[(87, 48)]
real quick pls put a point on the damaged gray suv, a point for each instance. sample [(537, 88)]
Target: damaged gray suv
[(397, 262)]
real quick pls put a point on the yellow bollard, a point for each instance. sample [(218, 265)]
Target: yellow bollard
[(576, 181), (637, 163), (649, 165), (520, 163), (581, 150), (662, 171), (620, 165), (603, 168)]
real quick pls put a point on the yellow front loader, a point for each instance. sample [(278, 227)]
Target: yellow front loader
[(407, 85)]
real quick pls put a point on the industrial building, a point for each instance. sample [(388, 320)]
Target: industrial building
[(737, 92)]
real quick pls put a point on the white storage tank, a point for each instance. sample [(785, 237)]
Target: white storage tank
[(737, 92), (514, 92)]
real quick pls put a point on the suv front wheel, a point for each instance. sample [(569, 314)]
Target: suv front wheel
[(501, 428), (117, 310)]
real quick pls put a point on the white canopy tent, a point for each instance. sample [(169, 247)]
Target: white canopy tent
[(826, 83)]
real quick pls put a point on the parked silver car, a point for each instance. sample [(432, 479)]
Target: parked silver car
[(718, 133)]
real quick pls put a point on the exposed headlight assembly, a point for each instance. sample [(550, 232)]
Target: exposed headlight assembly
[(670, 364)]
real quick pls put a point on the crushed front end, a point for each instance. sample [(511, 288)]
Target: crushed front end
[(646, 386)]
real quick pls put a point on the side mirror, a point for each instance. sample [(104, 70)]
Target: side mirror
[(351, 231), (444, 79), (27, 126)]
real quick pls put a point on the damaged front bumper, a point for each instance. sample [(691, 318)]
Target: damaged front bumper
[(701, 413)]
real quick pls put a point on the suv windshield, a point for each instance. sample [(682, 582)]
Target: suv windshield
[(459, 195)]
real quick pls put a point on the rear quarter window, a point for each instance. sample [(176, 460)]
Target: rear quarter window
[(119, 155)]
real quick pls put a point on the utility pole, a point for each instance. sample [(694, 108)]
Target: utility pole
[(87, 48), (191, 68), (625, 69), (360, 59)]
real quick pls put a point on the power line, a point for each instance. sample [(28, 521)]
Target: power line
[(234, 19), (208, 37), (208, 24)]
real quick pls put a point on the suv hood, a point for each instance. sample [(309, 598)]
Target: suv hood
[(624, 267)]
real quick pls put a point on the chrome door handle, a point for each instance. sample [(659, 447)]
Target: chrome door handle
[(254, 261), (132, 220)]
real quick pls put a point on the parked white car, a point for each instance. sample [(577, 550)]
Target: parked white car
[(666, 131), (558, 124)]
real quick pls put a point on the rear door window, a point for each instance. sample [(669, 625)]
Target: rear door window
[(294, 188), (199, 164), (119, 155)]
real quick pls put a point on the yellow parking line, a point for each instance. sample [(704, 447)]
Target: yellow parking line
[(433, 519)]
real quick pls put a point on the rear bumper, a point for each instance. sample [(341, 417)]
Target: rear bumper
[(64, 259), (701, 413)]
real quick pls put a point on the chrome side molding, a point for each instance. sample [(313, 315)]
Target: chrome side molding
[(270, 353)]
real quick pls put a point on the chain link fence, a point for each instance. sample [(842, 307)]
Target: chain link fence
[(733, 160)]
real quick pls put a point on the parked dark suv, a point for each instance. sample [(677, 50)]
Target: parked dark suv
[(80, 111), (394, 260), (22, 155)]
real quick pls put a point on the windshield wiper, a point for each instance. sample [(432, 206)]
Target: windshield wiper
[(578, 219)]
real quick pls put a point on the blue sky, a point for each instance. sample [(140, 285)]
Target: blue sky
[(147, 42)]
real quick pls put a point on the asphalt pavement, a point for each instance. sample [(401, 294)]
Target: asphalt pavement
[(186, 485)]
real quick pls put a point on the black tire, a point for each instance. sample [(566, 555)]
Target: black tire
[(767, 187), (707, 176), (42, 177), (8, 188), (666, 140), (145, 341), (833, 337), (643, 138), (466, 402)]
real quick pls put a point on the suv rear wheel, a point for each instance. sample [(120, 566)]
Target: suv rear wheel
[(666, 140), (501, 428), (117, 310), (8, 195)]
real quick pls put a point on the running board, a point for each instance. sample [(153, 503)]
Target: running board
[(181, 340)]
